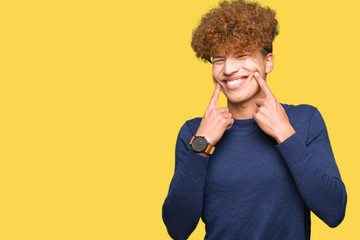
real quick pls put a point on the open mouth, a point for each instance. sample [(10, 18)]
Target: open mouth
[(235, 82)]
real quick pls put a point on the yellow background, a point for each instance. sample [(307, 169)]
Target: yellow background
[(93, 94)]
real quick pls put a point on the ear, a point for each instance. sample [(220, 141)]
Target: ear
[(269, 63)]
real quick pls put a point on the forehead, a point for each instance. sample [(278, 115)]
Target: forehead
[(223, 54), (230, 48)]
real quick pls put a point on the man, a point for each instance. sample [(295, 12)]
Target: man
[(256, 168)]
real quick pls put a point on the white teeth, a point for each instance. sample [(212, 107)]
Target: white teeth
[(233, 82)]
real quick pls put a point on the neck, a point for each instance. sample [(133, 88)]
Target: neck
[(244, 110)]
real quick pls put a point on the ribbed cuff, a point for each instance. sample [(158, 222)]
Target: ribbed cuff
[(195, 164), (293, 149)]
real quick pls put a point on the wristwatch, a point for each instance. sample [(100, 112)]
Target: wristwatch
[(200, 145)]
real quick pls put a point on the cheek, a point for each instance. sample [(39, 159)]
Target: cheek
[(254, 86), (252, 66), (215, 73)]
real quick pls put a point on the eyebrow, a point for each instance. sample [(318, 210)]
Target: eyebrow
[(243, 53), (218, 57)]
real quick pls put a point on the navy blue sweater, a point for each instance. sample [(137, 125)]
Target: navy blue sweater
[(254, 188)]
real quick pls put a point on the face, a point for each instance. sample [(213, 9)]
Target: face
[(235, 74)]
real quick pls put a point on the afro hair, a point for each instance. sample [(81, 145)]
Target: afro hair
[(239, 26)]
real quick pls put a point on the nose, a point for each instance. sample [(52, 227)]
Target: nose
[(230, 67)]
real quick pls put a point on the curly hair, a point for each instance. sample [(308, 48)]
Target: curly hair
[(239, 26)]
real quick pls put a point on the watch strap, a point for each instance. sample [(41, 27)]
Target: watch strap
[(210, 149)]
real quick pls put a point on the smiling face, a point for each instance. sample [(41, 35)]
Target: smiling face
[(235, 74)]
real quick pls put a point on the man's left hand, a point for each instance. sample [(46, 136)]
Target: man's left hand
[(270, 115)]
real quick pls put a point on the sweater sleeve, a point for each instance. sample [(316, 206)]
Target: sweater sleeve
[(315, 172), (182, 207)]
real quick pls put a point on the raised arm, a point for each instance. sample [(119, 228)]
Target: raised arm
[(183, 205), (315, 172), (311, 163)]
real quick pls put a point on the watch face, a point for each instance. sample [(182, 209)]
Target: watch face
[(199, 144)]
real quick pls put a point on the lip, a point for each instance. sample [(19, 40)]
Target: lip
[(243, 79), (236, 78)]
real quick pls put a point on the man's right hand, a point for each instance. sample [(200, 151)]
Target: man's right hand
[(216, 120)]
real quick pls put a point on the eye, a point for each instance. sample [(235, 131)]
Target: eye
[(218, 61), (241, 56)]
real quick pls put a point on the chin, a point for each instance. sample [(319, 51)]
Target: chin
[(240, 97), (235, 99)]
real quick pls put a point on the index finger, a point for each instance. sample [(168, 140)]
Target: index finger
[(215, 96), (263, 85)]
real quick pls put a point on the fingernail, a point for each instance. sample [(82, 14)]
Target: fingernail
[(256, 74)]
